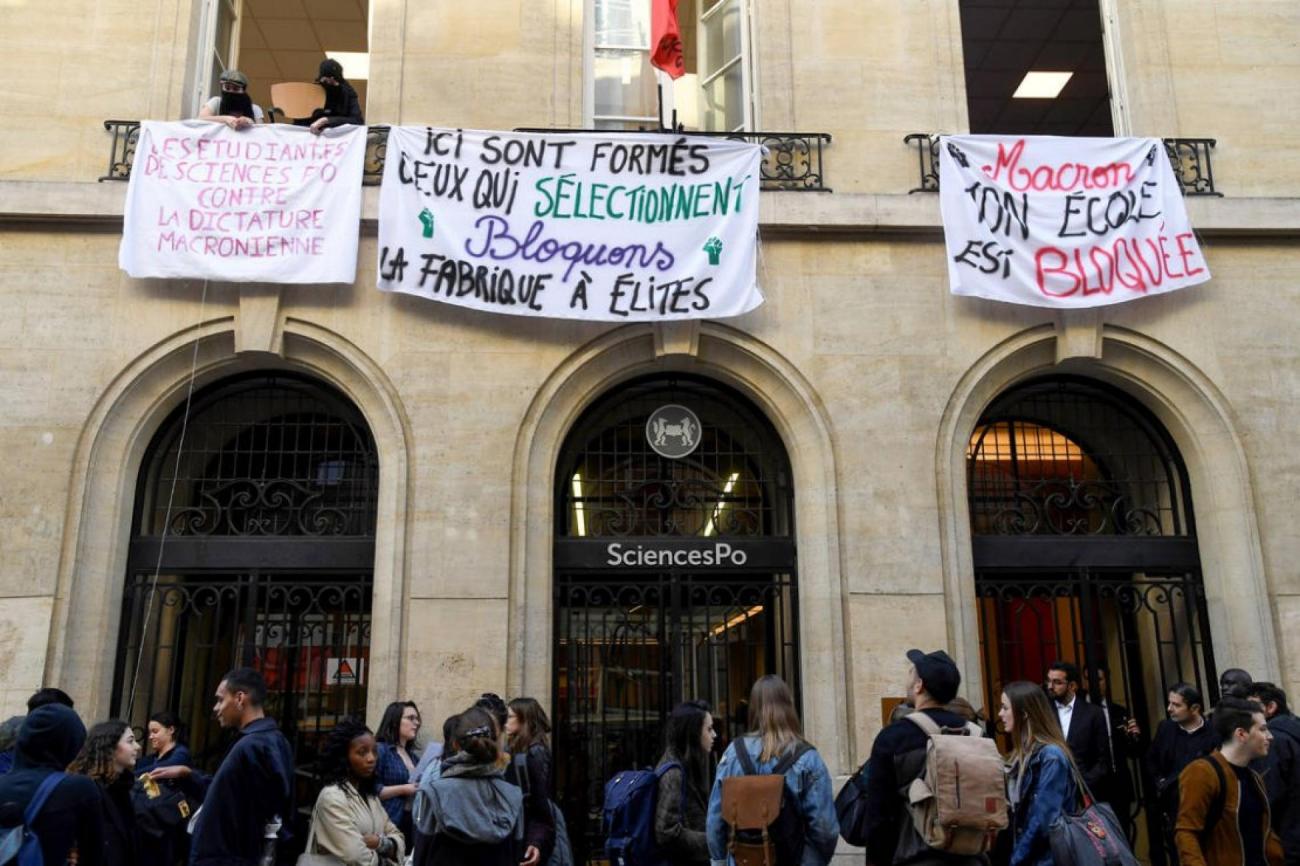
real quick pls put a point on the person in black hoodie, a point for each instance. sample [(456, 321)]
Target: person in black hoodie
[(342, 106), (72, 818), (108, 757)]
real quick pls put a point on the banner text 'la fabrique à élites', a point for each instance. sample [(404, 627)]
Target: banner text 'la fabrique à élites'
[(634, 227)]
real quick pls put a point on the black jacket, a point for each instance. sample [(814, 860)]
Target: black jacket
[(539, 823), (1171, 750), (50, 738), (1091, 748), (121, 841), (897, 755), (1282, 781), (341, 107), (252, 786)]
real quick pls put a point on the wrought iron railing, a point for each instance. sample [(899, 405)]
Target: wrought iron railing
[(1190, 158), (793, 160), (127, 132)]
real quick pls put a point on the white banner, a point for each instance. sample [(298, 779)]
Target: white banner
[(273, 203), (617, 228), (1064, 222)]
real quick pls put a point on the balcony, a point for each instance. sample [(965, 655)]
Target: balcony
[(792, 161), (1190, 158)]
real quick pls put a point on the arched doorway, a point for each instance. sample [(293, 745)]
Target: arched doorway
[(1085, 548), (674, 576), (256, 514)]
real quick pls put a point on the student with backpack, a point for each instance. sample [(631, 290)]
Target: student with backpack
[(909, 780), (772, 802), (1042, 775), (530, 768), (51, 812), (1223, 811), (684, 782), (477, 816)]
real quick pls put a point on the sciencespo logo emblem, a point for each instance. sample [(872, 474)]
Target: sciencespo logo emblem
[(673, 431)]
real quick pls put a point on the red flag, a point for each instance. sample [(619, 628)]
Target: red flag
[(666, 38)]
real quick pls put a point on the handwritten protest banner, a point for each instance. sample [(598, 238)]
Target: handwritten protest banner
[(273, 203), (582, 226), (1064, 222)]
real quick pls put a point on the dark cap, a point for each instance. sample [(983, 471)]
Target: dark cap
[(938, 672)]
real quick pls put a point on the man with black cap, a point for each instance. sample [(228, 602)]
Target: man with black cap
[(898, 755), (234, 107), (72, 818)]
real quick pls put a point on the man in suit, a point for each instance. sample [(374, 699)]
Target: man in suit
[(1084, 726), (1123, 738)]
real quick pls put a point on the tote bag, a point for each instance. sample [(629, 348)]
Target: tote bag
[(1090, 836)]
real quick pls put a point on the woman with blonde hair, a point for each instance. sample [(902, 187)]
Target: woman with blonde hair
[(775, 737), (1041, 784)]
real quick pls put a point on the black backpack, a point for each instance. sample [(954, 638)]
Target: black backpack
[(786, 833)]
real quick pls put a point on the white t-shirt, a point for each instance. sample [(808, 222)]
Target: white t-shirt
[(214, 105)]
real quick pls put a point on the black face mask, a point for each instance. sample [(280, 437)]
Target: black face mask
[(236, 105), (333, 97)]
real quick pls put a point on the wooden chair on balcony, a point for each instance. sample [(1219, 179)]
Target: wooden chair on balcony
[(295, 100)]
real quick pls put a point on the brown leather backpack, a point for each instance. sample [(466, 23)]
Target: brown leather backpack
[(763, 821)]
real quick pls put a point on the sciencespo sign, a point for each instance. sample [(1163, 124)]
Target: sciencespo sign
[(674, 553)]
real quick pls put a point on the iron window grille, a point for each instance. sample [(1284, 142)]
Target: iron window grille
[(1190, 158)]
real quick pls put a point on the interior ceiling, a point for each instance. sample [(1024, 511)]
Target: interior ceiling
[(1004, 39), (285, 40)]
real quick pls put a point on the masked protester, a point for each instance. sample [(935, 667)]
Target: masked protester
[(233, 107), (341, 103)]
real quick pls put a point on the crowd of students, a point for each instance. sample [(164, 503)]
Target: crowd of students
[(481, 795)]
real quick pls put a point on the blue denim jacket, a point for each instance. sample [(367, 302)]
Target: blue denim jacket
[(1047, 790), (808, 780)]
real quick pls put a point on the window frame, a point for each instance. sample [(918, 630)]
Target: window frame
[(749, 78), (207, 56)]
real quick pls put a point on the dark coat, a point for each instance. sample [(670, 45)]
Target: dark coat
[(1091, 748), (167, 849), (342, 107), (73, 816), (1282, 781), (252, 786), (121, 845), (681, 809), (1172, 749), (539, 823)]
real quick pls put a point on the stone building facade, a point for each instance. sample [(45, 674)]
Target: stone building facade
[(873, 378)]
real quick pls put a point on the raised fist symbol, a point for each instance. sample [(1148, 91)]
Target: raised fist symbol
[(713, 246)]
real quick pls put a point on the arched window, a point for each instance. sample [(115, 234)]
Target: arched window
[(252, 544), (674, 576), (1085, 548)]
